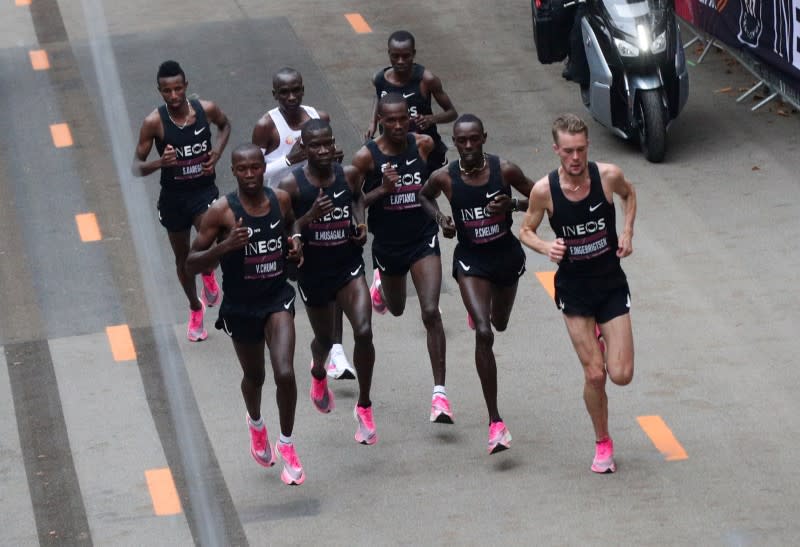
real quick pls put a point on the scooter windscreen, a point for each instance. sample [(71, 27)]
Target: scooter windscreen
[(637, 26)]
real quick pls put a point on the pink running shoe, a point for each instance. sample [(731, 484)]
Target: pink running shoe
[(292, 473), (604, 457), (210, 295), (259, 445), (600, 340), (470, 322), (365, 434), (499, 437), (375, 293), (321, 395), (196, 332), (440, 410)]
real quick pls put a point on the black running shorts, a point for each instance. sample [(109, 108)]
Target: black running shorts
[(578, 297), (320, 290), (502, 266), (245, 323), (177, 210), (398, 260)]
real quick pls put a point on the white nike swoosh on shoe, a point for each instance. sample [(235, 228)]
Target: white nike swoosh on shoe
[(302, 294), (432, 244), (198, 131), (493, 194), (409, 162), (593, 208), (383, 269), (354, 273), (337, 194), (272, 226), (289, 303), (466, 268)]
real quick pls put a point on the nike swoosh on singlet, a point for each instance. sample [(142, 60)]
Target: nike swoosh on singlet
[(466, 268), (409, 162), (337, 194), (493, 194), (521, 269), (560, 303), (288, 304), (432, 244), (406, 96), (198, 131), (381, 266), (272, 226), (593, 208), (355, 272)]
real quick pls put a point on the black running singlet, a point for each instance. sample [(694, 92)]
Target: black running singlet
[(475, 227), (253, 275), (398, 218), (192, 145), (588, 228), (411, 92), (326, 240)]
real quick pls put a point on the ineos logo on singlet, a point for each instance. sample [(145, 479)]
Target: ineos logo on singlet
[(338, 213), (264, 246), (474, 213), (191, 150), (586, 228)]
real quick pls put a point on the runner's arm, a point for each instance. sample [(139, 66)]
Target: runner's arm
[(627, 193), (148, 132), (538, 203), (203, 254), (438, 183), (216, 116)]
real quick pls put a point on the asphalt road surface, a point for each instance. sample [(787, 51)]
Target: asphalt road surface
[(146, 444)]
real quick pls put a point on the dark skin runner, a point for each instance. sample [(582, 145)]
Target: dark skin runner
[(220, 225), (487, 303)]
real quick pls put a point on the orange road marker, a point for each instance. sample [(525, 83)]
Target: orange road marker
[(62, 136), (119, 338), (39, 59), (88, 227), (662, 438), (548, 279), (358, 23), (23, 2), (163, 492)]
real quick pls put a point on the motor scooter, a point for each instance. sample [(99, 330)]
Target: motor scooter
[(638, 81)]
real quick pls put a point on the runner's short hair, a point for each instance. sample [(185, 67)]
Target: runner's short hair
[(468, 118), (391, 98), (401, 36), (569, 123), (314, 124), (170, 69)]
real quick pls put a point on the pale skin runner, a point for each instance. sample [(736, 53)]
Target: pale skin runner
[(617, 363)]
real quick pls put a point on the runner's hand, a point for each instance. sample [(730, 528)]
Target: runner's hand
[(321, 206), (499, 205), (169, 157), (359, 235), (557, 251), (237, 238), (208, 165), (390, 178), (295, 251), (625, 244), (447, 225), (424, 121), (296, 154)]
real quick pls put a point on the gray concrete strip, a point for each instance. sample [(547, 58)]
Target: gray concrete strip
[(115, 442), (16, 510), (52, 481)]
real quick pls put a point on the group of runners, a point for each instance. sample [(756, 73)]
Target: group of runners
[(300, 213)]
